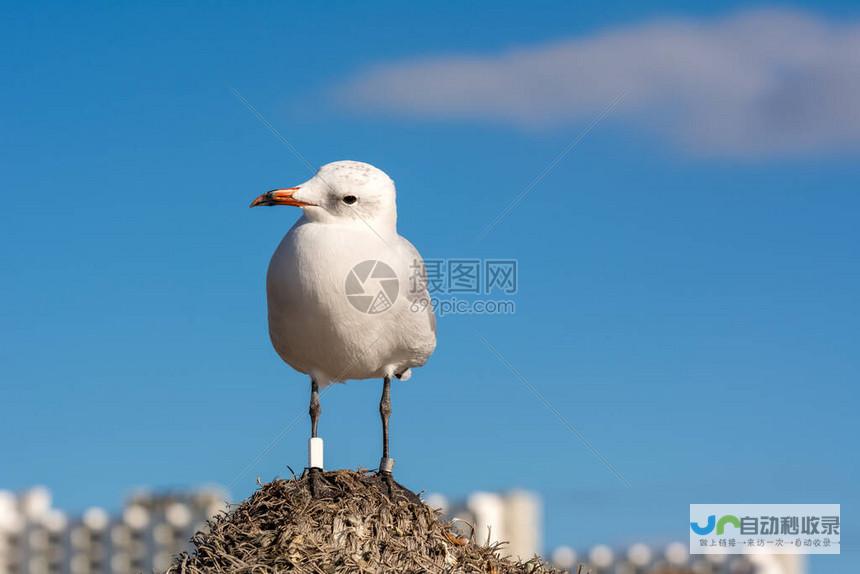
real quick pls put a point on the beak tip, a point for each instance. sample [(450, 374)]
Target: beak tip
[(261, 200), (279, 197)]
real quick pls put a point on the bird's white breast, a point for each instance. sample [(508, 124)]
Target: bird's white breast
[(316, 328)]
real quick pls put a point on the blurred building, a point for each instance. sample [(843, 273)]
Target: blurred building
[(36, 538), (514, 517)]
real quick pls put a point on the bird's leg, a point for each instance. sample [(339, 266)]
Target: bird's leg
[(314, 411), (386, 464)]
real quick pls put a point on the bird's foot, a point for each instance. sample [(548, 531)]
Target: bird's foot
[(386, 466), (389, 484), (315, 481), (392, 489)]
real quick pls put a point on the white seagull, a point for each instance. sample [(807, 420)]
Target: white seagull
[(347, 294)]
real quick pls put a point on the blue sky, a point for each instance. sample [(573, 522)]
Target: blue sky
[(688, 303)]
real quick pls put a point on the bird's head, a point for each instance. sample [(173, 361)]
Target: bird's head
[(341, 192)]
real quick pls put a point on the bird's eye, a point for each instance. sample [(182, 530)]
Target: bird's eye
[(349, 199)]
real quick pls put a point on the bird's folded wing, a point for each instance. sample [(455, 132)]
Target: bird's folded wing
[(416, 291)]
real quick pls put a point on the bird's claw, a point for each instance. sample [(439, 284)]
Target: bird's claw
[(389, 483), (315, 481)]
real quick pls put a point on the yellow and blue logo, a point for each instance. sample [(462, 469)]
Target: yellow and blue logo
[(713, 523)]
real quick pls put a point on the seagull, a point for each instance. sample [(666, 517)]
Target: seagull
[(347, 295)]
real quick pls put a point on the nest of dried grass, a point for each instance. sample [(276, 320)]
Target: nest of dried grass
[(357, 522)]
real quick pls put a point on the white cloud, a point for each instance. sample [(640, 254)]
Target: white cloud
[(757, 83)]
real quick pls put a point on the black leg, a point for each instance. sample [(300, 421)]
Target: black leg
[(315, 409), (386, 464)]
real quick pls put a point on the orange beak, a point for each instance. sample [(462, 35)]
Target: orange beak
[(279, 197)]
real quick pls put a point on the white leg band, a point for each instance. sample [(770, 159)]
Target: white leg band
[(315, 452)]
